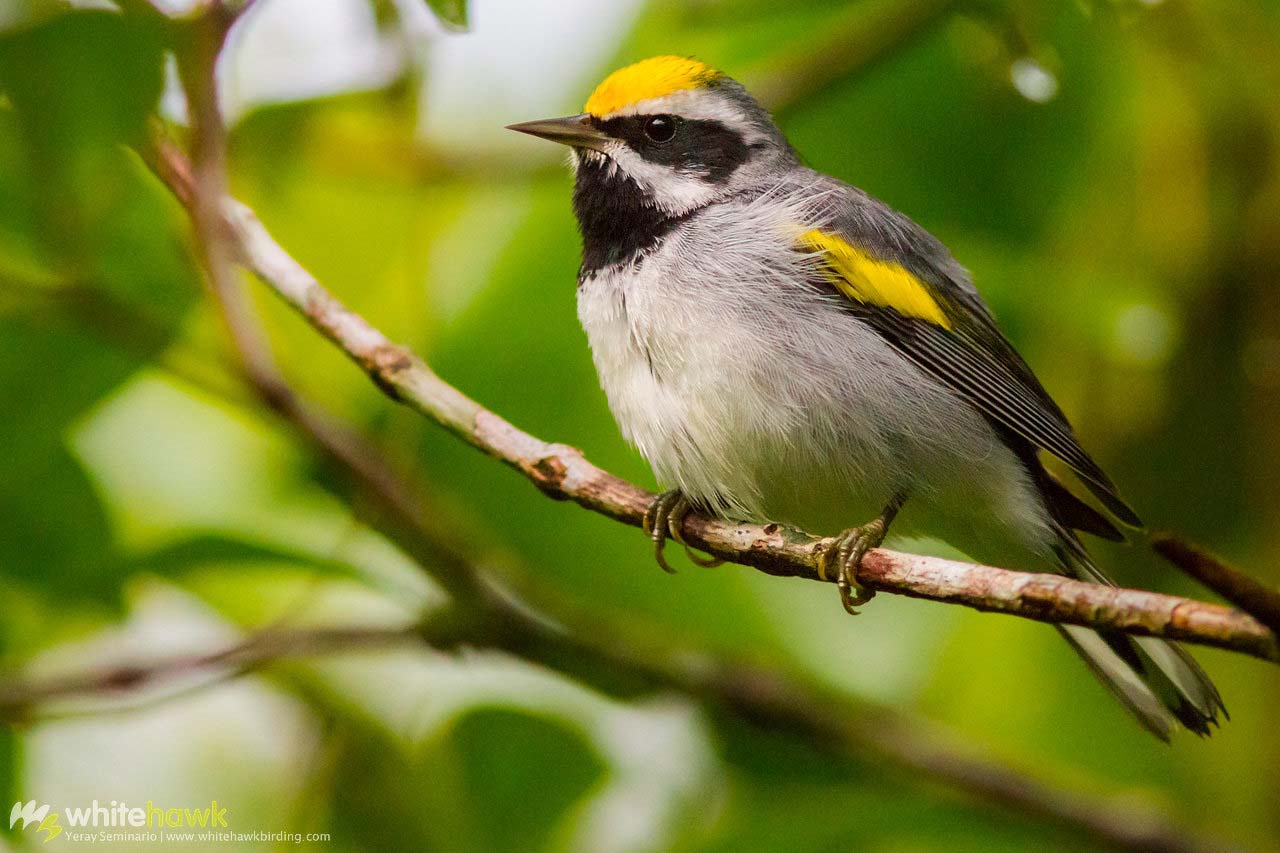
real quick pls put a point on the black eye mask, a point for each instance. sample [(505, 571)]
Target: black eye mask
[(703, 147)]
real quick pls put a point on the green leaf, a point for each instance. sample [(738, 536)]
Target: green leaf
[(497, 780), (218, 566), (89, 75), (95, 275), (54, 534), (452, 13), (212, 548), (81, 85), (55, 537), (505, 756), (81, 210)]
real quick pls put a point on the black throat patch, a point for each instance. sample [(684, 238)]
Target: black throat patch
[(616, 218)]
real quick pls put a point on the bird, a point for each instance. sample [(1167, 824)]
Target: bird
[(783, 347)]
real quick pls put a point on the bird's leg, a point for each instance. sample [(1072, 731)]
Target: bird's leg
[(847, 550), (664, 518)]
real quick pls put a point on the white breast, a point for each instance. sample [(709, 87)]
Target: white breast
[(746, 389)]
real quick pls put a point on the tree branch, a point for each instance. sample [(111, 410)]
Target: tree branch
[(1251, 596), (563, 473)]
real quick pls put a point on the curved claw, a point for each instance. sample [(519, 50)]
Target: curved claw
[(853, 595), (665, 517), (699, 560), (675, 527), (657, 524), (847, 551)]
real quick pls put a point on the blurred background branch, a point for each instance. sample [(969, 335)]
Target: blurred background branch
[(24, 700), (759, 696), (1257, 599)]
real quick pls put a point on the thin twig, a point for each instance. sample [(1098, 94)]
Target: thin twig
[(1253, 597), (562, 472), (18, 697)]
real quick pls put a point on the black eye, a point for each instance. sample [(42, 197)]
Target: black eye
[(660, 129)]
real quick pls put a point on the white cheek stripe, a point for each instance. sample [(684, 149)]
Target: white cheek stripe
[(675, 192)]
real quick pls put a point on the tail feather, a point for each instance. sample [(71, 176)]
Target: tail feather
[(1120, 678), (1160, 683), (1157, 681), (1191, 682)]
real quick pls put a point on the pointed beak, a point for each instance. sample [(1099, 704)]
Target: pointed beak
[(578, 131)]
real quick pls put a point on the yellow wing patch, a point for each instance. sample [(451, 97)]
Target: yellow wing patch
[(866, 279), (651, 78)]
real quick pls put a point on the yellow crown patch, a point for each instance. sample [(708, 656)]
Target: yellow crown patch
[(651, 78)]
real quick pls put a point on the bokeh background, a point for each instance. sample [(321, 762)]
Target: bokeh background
[(1106, 168)]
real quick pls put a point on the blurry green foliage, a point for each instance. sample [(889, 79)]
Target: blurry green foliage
[(452, 13), (80, 213), (1123, 231), (494, 779)]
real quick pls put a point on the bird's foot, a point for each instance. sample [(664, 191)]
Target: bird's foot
[(844, 553), (665, 517)]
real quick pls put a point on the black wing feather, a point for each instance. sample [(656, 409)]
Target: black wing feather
[(997, 389)]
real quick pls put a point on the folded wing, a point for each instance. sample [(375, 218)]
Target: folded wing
[(941, 325)]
